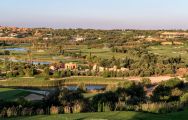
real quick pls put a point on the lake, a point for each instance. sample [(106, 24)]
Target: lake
[(88, 87), (17, 49)]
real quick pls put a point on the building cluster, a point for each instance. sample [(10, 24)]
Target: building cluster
[(78, 38), (74, 66), (63, 66), (14, 32), (114, 68)]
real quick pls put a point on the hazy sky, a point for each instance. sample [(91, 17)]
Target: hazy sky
[(103, 14)]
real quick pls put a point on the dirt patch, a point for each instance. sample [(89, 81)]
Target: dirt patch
[(155, 79), (182, 71)]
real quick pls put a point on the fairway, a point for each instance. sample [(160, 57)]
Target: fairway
[(170, 50), (110, 116), (12, 94)]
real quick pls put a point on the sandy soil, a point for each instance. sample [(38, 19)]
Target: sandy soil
[(33, 97), (155, 79)]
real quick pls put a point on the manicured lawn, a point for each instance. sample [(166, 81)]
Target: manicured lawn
[(93, 80), (111, 116), (30, 82), (12, 94), (89, 95), (171, 50), (41, 82)]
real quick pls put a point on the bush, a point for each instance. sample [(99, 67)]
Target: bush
[(109, 98), (4, 112), (175, 94), (161, 93), (26, 112), (184, 98), (77, 108), (146, 82), (39, 111), (11, 112), (173, 83), (162, 107), (102, 107), (54, 110), (67, 109), (82, 87)]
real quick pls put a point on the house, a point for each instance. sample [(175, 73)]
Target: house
[(71, 66), (114, 68), (57, 66), (95, 67), (101, 69), (78, 38), (52, 67)]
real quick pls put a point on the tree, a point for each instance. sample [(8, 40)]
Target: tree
[(46, 71), (71, 100)]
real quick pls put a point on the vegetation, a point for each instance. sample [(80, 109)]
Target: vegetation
[(80, 57), (12, 94), (111, 116)]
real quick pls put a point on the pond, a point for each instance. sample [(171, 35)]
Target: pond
[(88, 87), (17, 49)]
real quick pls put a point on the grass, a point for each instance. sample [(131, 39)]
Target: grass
[(10, 94), (171, 50), (92, 80), (110, 116), (41, 82), (51, 55), (89, 95), (30, 82)]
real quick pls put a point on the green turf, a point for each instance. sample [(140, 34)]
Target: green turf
[(41, 82), (30, 82), (12, 94), (111, 116), (171, 51), (89, 95)]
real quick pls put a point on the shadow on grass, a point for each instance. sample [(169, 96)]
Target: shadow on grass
[(9, 94)]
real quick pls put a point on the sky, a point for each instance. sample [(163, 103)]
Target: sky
[(97, 14)]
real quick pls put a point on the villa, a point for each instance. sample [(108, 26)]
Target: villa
[(71, 66)]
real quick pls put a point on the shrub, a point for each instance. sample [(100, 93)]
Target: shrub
[(39, 111), (108, 98), (77, 108), (4, 112), (82, 87), (102, 107), (111, 87), (26, 112), (173, 83), (184, 98), (161, 107), (11, 112), (175, 94), (67, 109), (57, 74), (161, 93), (146, 82), (54, 110)]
